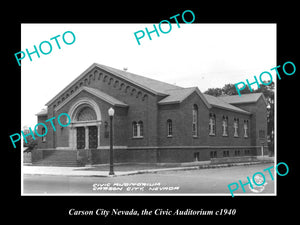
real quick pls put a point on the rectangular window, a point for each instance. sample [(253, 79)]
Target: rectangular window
[(247, 152), (196, 156), (169, 128), (225, 153), (213, 154), (138, 129)]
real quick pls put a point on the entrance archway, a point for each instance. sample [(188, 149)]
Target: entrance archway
[(85, 125)]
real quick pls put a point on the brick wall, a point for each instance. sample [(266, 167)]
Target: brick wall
[(181, 116), (143, 106), (258, 120), (173, 154), (40, 144)]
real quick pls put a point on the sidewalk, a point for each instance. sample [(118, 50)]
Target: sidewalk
[(95, 170), (130, 169)]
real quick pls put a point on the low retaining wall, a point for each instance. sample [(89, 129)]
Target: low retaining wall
[(150, 155), (233, 159), (175, 155)]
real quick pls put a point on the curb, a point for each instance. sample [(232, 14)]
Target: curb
[(198, 167), (136, 172), (160, 170)]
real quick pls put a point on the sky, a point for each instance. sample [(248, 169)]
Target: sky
[(202, 55)]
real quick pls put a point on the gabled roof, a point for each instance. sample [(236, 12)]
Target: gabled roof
[(171, 93), (151, 85), (244, 98), (103, 96), (180, 94), (219, 103), (177, 95), (158, 87)]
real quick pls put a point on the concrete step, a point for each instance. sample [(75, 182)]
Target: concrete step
[(56, 163), (57, 158)]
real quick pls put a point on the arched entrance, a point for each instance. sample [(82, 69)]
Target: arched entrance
[(85, 125), (86, 136)]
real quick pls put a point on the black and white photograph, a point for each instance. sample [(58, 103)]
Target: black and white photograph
[(112, 116)]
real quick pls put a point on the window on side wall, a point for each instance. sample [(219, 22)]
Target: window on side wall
[(213, 154), (236, 127), (134, 129), (246, 128), (169, 128), (195, 121), (225, 153), (43, 133), (225, 126), (138, 129), (212, 124)]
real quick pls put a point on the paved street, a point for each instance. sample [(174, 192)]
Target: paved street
[(211, 181)]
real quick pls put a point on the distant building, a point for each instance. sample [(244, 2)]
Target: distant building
[(154, 121)]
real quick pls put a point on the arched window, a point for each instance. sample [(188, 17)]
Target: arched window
[(212, 124), (169, 128), (86, 114), (43, 133), (246, 128), (110, 81), (195, 121), (225, 125), (105, 78), (134, 129), (236, 127), (138, 129)]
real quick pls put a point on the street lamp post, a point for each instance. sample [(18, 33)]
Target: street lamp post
[(111, 113)]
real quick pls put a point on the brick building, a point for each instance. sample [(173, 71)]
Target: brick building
[(153, 122)]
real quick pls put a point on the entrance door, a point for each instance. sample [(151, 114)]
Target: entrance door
[(80, 134), (93, 137)]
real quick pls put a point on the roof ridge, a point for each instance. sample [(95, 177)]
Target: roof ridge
[(96, 92), (231, 107), (181, 95), (182, 88), (123, 74), (244, 98), (104, 95), (151, 85)]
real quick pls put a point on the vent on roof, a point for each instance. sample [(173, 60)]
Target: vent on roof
[(125, 69)]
